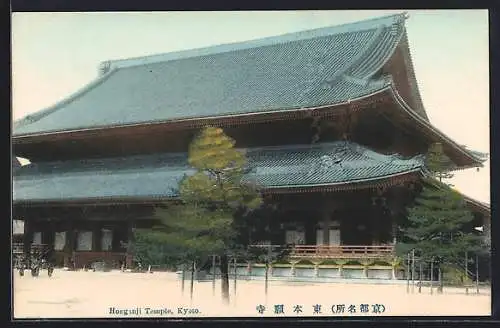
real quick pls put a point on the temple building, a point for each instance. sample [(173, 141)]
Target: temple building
[(331, 120)]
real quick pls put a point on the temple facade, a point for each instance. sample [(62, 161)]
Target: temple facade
[(331, 121)]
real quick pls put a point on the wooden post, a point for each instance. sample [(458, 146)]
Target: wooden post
[(440, 288), (183, 276), (193, 267), (97, 238), (266, 273), (394, 231), (466, 266), (70, 244), (477, 274), (413, 271), (266, 279), (432, 275), (27, 240), (420, 278), (130, 240), (408, 275), (466, 274), (235, 278), (213, 275)]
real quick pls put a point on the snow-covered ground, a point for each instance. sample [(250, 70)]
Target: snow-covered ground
[(120, 295)]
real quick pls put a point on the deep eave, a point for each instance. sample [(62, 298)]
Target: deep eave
[(388, 92), (335, 165), (475, 161), (481, 207), (382, 182), (221, 120)]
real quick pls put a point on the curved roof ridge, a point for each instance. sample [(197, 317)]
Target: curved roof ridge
[(320, 145), (33, 117), (357, 26), (414, 87), (484, 205), (344, 73), (370, 65), (393, 159)]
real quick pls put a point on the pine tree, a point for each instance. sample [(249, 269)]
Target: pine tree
[(202, 224), (436, 221)]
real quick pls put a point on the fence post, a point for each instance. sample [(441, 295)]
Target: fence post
[(193, 267), (477, 274), (268, 258), (413, 271), (235, 278), (466, 276), (440, 273), (213, 275), (408, 275), (420, 278), (183, 276), (432, 275)]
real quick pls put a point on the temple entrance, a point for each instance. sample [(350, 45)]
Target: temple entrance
[(334, 237), (356, 228)]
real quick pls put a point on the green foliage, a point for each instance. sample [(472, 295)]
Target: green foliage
[(438, 164), (396, 262), (220, 168), (203, 223), (333, 262), (341, 262), (436, 221), (275, 254), (455, 275), (305, 262), (149, 251)]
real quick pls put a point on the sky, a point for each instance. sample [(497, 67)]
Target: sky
[(56, 54)]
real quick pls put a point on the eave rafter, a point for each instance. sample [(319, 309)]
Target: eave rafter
[(433, 133)]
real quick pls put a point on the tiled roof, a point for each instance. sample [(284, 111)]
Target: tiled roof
[(307, 69), (157, 176), (484, 207)]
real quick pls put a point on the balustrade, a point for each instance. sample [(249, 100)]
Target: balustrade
[(327, 251)]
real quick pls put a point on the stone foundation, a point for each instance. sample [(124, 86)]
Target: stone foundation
[(286, 271)]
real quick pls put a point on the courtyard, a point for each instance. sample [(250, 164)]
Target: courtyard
[(117, 294)]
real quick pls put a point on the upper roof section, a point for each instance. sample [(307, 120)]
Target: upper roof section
[(313, 68)]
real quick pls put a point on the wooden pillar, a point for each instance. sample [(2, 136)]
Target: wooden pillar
[(375, 224), (130, 240), (394, 231), (393, 213), (117, 238), (49, 236), (27, 239), (310, 232), (325, 220), (96, 236), (70, 243)]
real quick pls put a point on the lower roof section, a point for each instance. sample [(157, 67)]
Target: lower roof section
[(157, 176)]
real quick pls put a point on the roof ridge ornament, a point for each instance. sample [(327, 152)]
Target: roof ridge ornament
[(104, 67)]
